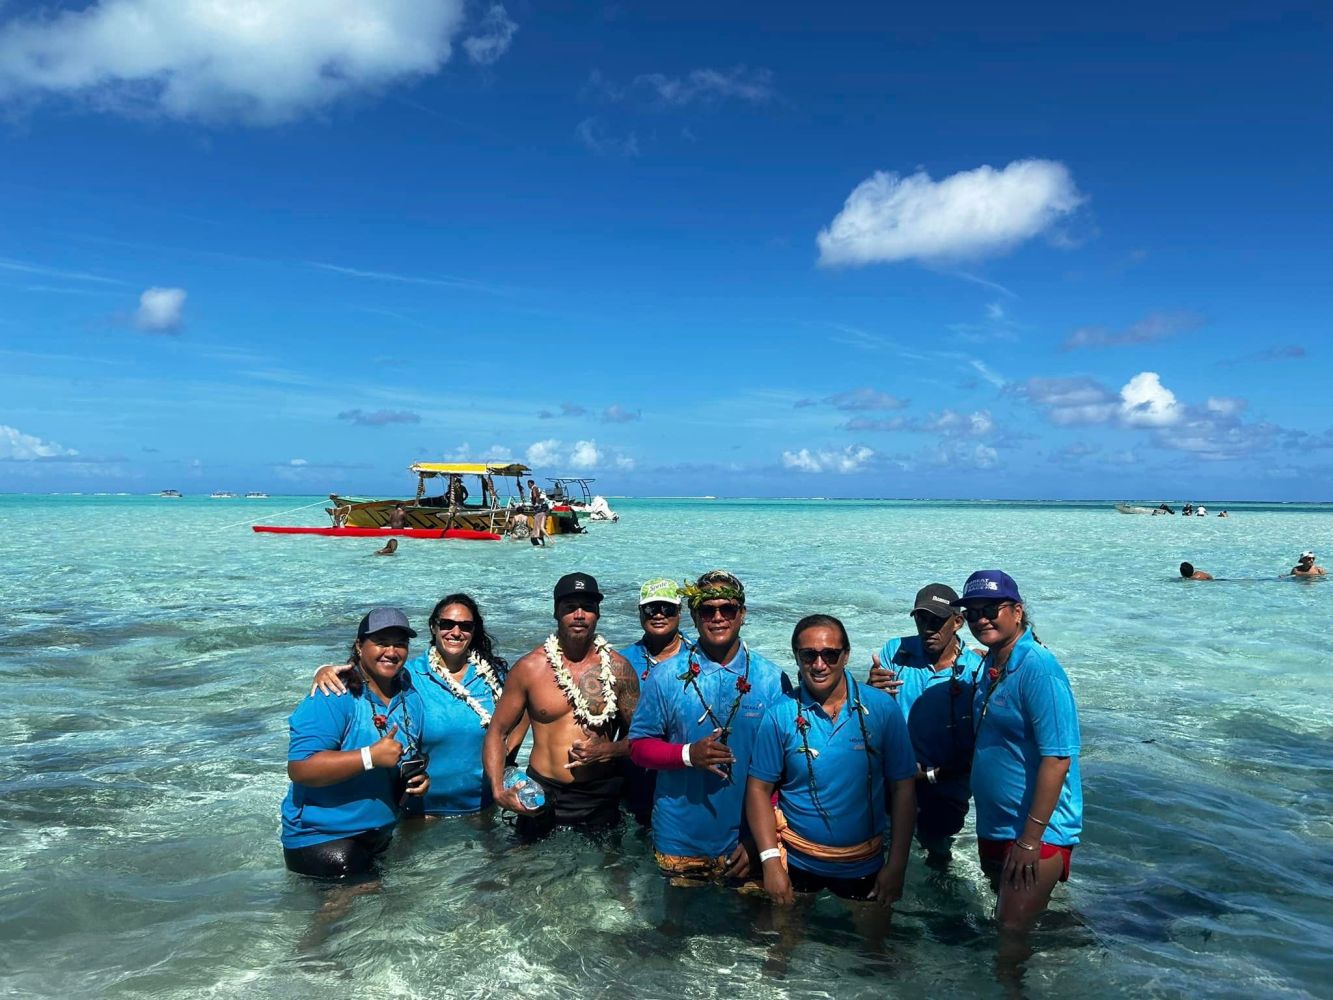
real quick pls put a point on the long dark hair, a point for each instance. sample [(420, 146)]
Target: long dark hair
[(819, 621), (481, 639)]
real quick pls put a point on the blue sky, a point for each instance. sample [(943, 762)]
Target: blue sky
[(741, 249)]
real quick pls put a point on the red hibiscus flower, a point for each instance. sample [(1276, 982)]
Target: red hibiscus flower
[(802, 723), (381, 721), (742, 685), (694, 670), (993, 673)]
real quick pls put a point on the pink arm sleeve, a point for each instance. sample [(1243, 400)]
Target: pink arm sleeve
[(656, 754)]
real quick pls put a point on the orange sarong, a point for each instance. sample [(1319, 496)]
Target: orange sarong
[(787, 837)]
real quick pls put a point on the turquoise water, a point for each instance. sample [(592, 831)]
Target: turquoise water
[(155, 649)]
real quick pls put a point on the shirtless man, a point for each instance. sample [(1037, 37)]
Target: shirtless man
[(578, 734), (1188, 572), (398, 517), (1306, 566)]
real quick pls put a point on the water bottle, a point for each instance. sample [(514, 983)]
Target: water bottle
[(530, 794)]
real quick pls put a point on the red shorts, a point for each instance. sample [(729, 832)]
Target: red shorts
[(995, 852)]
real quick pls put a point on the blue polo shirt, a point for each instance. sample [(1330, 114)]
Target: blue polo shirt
[(852, 812), (452, 736), (643, 663), (696, 814), (365, 801), (937, 705), (1029, 714)]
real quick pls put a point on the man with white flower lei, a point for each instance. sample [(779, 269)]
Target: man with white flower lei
[(579, 695)]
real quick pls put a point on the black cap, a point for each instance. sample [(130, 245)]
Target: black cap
[(381, 618), (577, 585), (936, 598)]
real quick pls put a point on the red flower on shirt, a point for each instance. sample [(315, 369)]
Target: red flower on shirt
[(742, 685), (993, 673), (802, 723), (694, 670), (381, 721)]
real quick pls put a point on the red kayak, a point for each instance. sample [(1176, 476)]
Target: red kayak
[(482, 536)]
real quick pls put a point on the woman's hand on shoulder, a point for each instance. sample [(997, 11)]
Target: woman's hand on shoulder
[(329, 678)]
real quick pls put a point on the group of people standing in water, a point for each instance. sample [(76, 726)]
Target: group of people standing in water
[(745, 774)]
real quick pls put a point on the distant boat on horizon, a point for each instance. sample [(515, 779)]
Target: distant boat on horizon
[(221, 495), (256, 495), (171, 495)]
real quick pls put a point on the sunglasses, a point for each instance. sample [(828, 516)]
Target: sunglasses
[(727, 611), (569, 605), (929, 622), (659, 609), (987, 611), (385, 642), (449, 624), (829, 656)]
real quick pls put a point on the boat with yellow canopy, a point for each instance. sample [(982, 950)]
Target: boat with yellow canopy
[(488, 498)]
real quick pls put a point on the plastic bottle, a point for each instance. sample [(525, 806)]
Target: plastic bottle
[(530, 794)]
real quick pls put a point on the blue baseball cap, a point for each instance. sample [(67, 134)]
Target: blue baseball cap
[(379, 619), (989, 585)]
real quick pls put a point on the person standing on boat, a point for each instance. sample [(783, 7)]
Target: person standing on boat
[(459, 679), (398, 517), (344, 753), (932, 675), (696, 727), (540, 505), (836, 752), (579, 694), (1025, 773), (662, 645)]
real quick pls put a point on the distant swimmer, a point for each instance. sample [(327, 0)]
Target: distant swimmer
[(1188, 571), (1224, 514), (390, 547), (1307, 567)]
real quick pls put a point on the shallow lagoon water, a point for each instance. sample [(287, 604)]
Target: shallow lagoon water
[(156, 647)]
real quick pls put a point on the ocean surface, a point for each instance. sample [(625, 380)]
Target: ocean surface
[(154, 648)]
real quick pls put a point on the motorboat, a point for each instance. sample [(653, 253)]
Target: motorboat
[(577, 493)]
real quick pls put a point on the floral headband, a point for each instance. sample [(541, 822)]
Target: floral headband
[(696, 595)]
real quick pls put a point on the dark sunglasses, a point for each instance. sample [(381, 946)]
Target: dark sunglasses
[(386, 642), (664, 609), (568, 605), (727, 611), (829, 656), (929, 622), (449, 624), (987, 611)]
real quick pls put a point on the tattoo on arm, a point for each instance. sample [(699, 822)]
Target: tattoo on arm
[(627, 687)]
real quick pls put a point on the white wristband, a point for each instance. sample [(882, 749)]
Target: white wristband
[(685, 754), (932, 774), (366, 762), (769, 854)]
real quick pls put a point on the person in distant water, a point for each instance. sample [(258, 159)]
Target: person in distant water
[(459, 679), (580, 695), (1306, 566), (661, 645), (1025, 773), (390, 547), (836, 751), (1188, 571), (540, 505), (696, 727), (398, 517), (1187, 510), (932, 675), (1224, 514), (344, 753), (1164, 508)]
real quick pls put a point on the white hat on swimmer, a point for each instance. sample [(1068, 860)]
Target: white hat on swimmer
[(1307, 556)]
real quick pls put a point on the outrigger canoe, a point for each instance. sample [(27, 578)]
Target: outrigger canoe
[(346, 532)]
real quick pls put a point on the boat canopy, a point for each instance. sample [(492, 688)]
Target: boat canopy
[(569, 479), (427, 469)]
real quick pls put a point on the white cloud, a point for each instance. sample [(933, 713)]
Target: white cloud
[(985, 456), (990, 376), (543, 452), (952, 422), (17, 446), (1071, 400), (974, 213), (227, 59), (594, 133), (981, 422), (161, 310), (298, 462), (625, 463), (1226, 406), (1145, 402), (849, 459), (585, 455), (493, 37), (710, 85)]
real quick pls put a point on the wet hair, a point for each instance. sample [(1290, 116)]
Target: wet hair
[(481, 639), (1187, 569), (819, 621)]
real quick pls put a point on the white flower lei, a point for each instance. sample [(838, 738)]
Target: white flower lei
[(484, 670), (575, 697)]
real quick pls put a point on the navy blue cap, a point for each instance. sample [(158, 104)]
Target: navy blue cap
[(989, 585), (381, 618)]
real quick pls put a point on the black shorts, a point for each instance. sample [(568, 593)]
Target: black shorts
[(586, 805), (858, 888), (938, 816), (344, 858)]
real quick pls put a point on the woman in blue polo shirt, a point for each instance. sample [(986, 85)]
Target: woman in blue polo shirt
[(459, 679), (344, 757), (1025, 776), (831, 749)]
